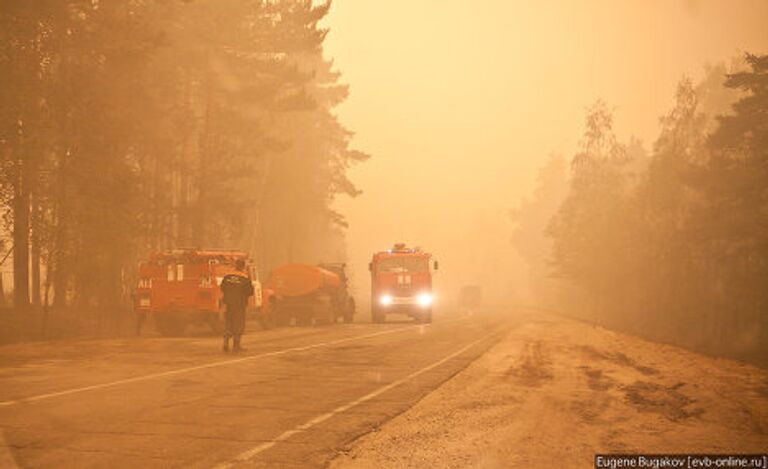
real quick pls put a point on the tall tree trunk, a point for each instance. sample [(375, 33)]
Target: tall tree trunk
[(2, 290), (59, 283), (35, 289), (199, 220), (36, 240), (56, 274), (21, 240)]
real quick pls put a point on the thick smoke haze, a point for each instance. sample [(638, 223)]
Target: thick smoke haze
[(460, 103), (193, 192)]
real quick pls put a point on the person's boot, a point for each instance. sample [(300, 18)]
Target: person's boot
[(225, 345), (236, 344)]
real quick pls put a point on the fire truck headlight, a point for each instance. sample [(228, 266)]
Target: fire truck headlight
[(425, 299), (385, 300)]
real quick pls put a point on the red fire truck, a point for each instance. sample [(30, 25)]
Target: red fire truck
[(401, 282), (181, 286)]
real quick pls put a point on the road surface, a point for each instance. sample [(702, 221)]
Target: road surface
[(511, 389), (293, 399)]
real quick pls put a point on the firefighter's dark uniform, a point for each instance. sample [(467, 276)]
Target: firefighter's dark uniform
[(237, 288)]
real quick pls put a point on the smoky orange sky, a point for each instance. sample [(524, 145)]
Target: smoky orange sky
[(460, 102)]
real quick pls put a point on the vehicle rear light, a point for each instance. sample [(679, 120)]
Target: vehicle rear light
[(144, 301)]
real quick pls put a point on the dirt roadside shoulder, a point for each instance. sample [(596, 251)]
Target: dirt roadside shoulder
[(555, 391)]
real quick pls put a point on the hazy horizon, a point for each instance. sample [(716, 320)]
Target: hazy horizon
[(464, 103)]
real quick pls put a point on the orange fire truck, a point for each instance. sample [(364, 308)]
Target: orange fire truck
[(401, 282), (181, 287)]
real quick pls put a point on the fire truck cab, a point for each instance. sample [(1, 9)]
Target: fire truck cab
[(401, 282), (181, 287)]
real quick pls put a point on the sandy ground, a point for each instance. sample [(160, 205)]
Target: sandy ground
[(554, 392)]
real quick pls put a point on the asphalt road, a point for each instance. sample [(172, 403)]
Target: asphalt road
[(294, 399)]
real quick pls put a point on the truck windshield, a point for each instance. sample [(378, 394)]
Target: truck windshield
[(403, 264)]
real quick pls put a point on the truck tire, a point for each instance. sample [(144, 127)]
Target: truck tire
[(425, 317), (304, 318), (215, 323), (332, 316), (170, 325), (265, 320), (278, 315), (282, 319), (349, 312)]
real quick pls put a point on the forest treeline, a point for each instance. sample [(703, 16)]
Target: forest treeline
[(132, 126), (673, 242)]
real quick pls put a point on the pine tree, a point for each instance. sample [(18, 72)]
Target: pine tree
[(589, 238)]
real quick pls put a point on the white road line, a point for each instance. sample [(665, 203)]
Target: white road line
[(248, 455), (203, 367)]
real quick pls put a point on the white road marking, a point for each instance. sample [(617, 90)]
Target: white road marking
[(248, 455), (203, 367)]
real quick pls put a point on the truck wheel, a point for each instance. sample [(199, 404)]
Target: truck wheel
[(215, 323), (278, 315), (170, 325), (282, 319), (349, 312), (265, 320), (377, 316), (426, 317), (304, 318)]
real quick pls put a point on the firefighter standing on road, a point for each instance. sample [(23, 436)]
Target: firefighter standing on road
[(237, 288)]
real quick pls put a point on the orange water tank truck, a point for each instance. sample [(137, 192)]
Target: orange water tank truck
[(305, 294)]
